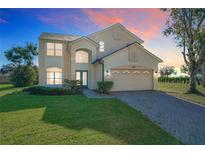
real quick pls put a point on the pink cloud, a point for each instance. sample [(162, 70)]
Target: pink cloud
[(101, 19), (146, 23), (2, 21)]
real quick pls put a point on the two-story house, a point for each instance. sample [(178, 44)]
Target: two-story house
[(113, 53)]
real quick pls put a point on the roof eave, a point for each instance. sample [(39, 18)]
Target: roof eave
[(86, 38), (148, 52)]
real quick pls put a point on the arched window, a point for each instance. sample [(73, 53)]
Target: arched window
[(54, 76), (81, 57)]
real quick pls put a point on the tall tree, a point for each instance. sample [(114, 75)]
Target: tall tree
[(167, 70), (8, 68), (184, 69), (22, 55), (23, 71), (187, 26)]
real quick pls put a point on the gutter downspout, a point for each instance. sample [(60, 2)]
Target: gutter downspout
[(102, 63)]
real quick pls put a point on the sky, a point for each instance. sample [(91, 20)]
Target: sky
[(18, 26)]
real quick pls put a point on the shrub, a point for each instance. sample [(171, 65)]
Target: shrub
[(74, 86), (41, 90), (70, 87), (23, 76), (104, 86)]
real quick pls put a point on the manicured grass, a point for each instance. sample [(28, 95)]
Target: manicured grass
[(28, 119), (179, 90), (8, 88)]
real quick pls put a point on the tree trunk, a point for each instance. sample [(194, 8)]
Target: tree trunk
[(192, 81)]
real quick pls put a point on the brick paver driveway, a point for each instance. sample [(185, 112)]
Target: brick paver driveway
[(184, 120)]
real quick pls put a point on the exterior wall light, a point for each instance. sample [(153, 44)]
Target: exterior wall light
[(107, 73), (156, 74)]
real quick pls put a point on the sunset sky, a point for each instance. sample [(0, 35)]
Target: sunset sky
[(18, 26)]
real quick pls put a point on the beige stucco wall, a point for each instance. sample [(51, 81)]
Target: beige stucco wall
[(52, 61), (118, 59), (144, 61), (110, 43), (91, 49), (67, 61)]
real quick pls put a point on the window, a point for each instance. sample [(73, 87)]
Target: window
[(102, 46), (50, 49), (54, 76), (54, 49), (81, 57)]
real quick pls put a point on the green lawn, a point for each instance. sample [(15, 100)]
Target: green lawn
[(27, 119), (8, 88), (179, 90)]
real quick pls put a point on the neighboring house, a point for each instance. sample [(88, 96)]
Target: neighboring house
[(113, 54)]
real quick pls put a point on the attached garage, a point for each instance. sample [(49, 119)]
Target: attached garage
[(137, 79), (131, 68)]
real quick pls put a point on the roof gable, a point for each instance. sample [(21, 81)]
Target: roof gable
[(139, 40)]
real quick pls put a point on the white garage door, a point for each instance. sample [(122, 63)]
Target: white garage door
[(132, 80)]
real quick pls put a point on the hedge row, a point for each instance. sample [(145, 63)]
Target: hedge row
[(174, 79), (177, 80), (41, 90)]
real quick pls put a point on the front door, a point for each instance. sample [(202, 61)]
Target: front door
[(82, 75)]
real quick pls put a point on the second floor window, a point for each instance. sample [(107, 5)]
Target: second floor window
[(54, 49), (81, 57)]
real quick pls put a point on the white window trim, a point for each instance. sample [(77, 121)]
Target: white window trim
[(49, 70), (54, 49), (76, 54)]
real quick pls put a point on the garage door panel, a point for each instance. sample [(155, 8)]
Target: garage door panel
[(134, 80)]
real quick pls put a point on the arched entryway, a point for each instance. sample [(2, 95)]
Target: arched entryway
[(82, 66)]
